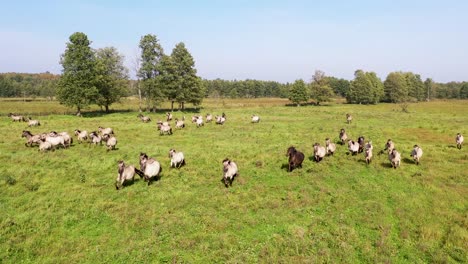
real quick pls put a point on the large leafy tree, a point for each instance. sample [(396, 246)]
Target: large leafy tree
[(416, 89), (187, 85), (112, 76), (464, 91), (168, 78), (298, 93), (151, 55), (366, 88), (77, 84), (396, 87), (377, 87), (429, 86), (339, 86), (320, 90)]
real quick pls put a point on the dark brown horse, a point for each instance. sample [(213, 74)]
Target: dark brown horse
[(295, 158), (361, 144)]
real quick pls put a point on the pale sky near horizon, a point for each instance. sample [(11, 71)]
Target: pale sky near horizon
[(266, 40)]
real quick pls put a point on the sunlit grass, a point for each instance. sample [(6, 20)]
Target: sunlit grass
[(62, 206)]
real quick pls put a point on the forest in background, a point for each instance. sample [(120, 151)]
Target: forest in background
[(44, 85)]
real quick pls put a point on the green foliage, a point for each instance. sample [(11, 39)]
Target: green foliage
[(320, 90), (151, 55), (77, 84), (112, 76), (416, 90), (339, 86), (188, 86), (404, 86), (28, 84), (396, 88), (245, 88), (429, 87), (366, 88), (298, 92), (464, 91)]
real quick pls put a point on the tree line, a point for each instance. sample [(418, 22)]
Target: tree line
[(368, 88), (28, 85), (98, 76)]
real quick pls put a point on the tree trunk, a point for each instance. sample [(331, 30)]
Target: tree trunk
[(139, 96), (172, 105), (183, 106), (78, 111), (107, 108)]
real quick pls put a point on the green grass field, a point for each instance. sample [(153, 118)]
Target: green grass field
[(62, 206)]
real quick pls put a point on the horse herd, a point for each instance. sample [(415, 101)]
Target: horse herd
[(295, 157), (150, 168)]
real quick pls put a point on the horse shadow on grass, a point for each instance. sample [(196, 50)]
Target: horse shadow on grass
[(108, 150), (386, 164), (285, 166), (160, 111), (99, 113), (408, 161), (127, 184)]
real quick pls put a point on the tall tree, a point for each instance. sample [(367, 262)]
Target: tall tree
[(112, 76), (429, 86), (320, 90), (416, 89), (169, 79), (298, 92), (151, 54), (377, 87), (396, 87), (339, 86), (136, 63), (366, 88), (188, 86), (77, 84)]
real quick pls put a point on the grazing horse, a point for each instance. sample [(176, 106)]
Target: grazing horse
[(295, 158)]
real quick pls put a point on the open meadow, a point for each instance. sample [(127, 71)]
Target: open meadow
[(62, 206)]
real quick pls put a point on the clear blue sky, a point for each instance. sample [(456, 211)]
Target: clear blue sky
[(266, 40)]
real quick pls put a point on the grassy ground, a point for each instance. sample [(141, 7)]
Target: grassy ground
[(62, 206)]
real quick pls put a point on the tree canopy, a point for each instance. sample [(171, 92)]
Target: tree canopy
[(151, 55), (187, 85), (77, 84), (112, 76), (320, 90), (298, 93), (366, 88)]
